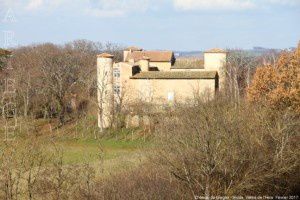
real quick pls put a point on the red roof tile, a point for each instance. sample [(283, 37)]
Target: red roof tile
[(155, 56)]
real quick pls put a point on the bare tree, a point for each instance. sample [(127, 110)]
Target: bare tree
[(239, 69), (217, 148), (49, 76)]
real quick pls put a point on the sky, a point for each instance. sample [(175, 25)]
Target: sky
[(182, 25)]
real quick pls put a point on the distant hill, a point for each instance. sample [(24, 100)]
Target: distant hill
[(256, 51), (189, 54)]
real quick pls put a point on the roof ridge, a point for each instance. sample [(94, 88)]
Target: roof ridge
[(176, 75)]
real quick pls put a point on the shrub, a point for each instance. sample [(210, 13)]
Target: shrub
[(219, 149), (278, 86)]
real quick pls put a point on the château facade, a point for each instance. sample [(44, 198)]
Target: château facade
[(152, 76)]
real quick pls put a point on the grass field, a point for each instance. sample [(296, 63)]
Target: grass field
[(114, 155), (108, 156), (88, 150), (116, 151)]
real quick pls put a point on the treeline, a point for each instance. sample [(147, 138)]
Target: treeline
[(53, 80)]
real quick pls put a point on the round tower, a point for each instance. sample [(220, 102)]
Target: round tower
[(105, 90)]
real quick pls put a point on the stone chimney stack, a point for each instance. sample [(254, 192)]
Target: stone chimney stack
[(105, 90), (145, 64), (128, 51)]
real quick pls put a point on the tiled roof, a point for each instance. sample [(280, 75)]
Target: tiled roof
[(146, 58), (155, 56), (4, 52), (197, 64), (215, 50), (175, 75)]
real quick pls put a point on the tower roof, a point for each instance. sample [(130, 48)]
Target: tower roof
[(105, 55)]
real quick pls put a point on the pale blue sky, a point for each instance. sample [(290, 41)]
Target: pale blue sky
[(155, 24)]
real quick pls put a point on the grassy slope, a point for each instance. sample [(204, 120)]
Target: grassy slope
[(117, 155), (119, 150)]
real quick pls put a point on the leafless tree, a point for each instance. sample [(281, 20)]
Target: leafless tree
[(217, 148), (50, 78), (239, 69)]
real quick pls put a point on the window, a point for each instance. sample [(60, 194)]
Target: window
[(135, 70), (117, 89), (116, 73)]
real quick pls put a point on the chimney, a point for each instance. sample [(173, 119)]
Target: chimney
[(105, 90), (145, 64), (128, 51), (125, 55)]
